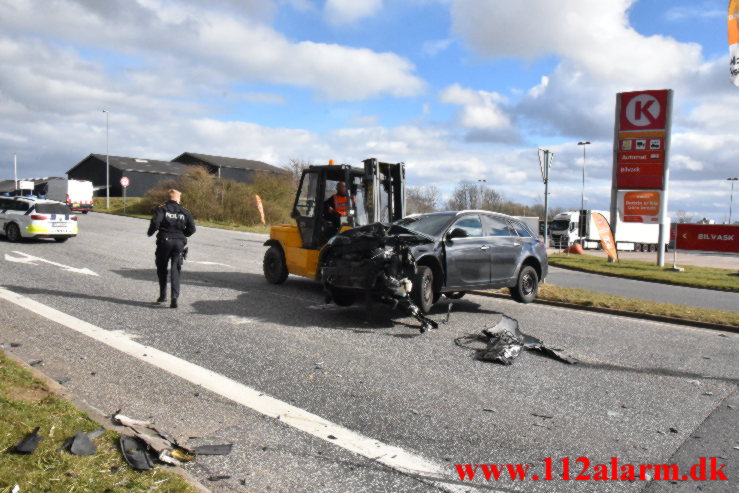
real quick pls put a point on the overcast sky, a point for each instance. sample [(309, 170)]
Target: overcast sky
[(461, 90)]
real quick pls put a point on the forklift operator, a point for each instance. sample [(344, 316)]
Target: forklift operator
[(338, 203)]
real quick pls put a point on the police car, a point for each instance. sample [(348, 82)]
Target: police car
[(32, 217)]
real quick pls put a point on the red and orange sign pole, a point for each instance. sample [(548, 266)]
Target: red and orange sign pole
[(641, 146)]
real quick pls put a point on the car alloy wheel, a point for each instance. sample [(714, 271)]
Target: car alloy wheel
[(13, 233)]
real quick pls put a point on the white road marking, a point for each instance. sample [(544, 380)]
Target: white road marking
[(391, 456), (31, 260), (234, 319), (203, 262)]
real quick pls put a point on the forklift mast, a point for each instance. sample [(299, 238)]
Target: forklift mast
[(385, 183), (377, 194)]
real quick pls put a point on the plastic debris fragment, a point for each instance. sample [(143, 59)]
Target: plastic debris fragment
[(135, 453), (503, 342), (29, 443)]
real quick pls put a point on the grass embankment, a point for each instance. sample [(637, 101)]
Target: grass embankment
[(599, 300), (133, 209), (692, 276), (25, 403)]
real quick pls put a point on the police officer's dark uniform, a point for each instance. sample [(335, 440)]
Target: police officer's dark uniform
[(175, 224)]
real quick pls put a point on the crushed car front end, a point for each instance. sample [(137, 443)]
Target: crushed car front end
[(370, 262)]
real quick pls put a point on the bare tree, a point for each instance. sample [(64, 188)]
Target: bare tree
[(422, 199), (683, 217), (295, 167), (474, 196)]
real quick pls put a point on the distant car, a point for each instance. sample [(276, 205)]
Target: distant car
[(453, 252), (31, 217)]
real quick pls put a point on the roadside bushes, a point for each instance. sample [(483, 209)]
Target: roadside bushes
[(210, 198)]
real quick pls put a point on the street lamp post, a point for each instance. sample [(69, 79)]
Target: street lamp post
[(731, 197), (582, 194), (479, 193), (107, 163)]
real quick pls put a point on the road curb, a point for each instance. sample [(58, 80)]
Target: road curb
[(95, 414), (655, 281), (621, 313)]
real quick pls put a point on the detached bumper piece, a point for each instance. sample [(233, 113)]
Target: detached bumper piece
[(504, 342)]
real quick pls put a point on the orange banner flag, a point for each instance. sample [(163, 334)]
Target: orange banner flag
[(261, 208), (733, 18), (606, 236)]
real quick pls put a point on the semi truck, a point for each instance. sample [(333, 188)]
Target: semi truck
[(573, 227)]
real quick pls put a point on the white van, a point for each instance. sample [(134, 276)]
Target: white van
[(77, 194), (30, 217)]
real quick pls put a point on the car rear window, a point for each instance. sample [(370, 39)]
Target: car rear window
[(497, 226), (14, 205), (50, 208), (522, 230)]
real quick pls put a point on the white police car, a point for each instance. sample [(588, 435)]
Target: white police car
[(32, 217)]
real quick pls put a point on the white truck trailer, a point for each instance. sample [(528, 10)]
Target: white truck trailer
[(630, 236), (77, 194)]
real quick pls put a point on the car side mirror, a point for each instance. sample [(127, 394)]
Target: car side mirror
[(456, 233)]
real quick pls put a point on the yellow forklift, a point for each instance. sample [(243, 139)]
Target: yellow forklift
[(376, 193)]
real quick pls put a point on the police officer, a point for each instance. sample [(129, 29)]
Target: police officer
[(174, 224)]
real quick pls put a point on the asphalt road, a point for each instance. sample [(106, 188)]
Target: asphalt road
[(649, 291), (644, 392)]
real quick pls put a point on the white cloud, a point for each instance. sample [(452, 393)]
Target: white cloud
[(213, 46), (599, 55), (340, 12), (262, 98), (364, 121), (432, 48), (685, 162), (684, 13), (481, 114), (593, 36)]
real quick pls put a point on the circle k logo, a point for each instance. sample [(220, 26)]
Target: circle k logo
[(643, 110)]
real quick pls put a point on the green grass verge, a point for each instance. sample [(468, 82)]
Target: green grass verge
[(693, 276), (132, 210), (634, 305), (25, 403)]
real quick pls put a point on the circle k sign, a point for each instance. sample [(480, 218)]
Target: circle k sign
[(644, 110)]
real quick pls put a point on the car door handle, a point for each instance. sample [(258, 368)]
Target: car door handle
[(484, 247), (516, 243)]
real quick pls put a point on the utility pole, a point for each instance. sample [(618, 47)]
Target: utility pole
[(107, 163), (545, 162), (582, 194), (731, 197), (15, 170)]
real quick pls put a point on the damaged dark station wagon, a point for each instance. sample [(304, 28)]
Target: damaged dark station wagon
[(427, 255)]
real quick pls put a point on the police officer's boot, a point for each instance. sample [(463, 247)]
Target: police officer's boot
[(173, 303), (161, 298)]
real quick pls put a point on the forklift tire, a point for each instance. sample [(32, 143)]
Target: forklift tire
[(422, 293), (275, 269), (527, 286)]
